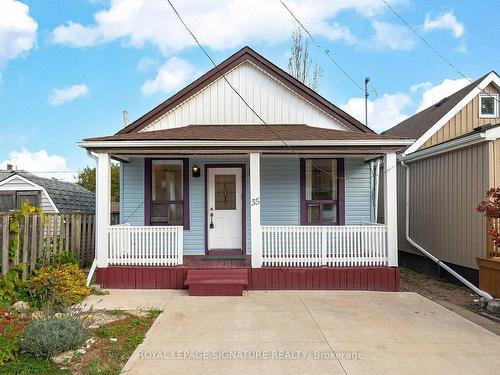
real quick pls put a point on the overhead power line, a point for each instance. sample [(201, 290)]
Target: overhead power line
[(326, 50), (436, 52)]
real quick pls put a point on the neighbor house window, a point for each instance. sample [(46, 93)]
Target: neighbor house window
[(322, 192), (11, 200), (488, 105), (167, 194)]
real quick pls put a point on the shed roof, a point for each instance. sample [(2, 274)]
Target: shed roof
[(67, 196)]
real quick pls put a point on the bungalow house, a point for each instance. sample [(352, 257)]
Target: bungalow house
[(214, 198), (452, 163), (51, 195)]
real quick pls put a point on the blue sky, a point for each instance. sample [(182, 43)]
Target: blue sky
[(69, 68)]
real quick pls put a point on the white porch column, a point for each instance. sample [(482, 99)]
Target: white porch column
[(390, 207), (103, 198), (255, 229)]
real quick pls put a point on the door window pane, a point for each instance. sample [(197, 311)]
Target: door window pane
[(167, 180), (321, 179), (225, 192)]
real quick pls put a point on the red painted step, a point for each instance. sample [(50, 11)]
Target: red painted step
[(217, 282)]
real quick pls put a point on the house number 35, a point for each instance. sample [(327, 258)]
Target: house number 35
[(255, 202)]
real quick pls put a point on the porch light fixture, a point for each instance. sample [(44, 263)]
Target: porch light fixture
[(196, 171)]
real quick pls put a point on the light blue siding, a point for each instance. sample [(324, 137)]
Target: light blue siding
[(132, 193), (280, 200), (280, 191), (358, 194)]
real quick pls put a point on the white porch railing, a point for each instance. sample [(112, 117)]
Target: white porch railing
[(335, 246), (145, 245)]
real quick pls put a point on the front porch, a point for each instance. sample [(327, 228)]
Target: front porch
[(352, 254)]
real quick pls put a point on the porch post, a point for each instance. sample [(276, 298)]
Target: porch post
[(103, 198), (390, 205), (255, 229)]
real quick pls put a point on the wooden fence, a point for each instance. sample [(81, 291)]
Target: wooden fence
[(493, 250), (43, 237)]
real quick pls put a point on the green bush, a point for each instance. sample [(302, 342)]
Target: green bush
[(59, 286), (48, 337), (12, 288), (58, 259)]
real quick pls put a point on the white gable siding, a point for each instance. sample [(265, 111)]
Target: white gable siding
[(18, 184), (218, 104)]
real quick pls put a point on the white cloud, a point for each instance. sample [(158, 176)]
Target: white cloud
[(395, 37), (383, 112), (421, 86), (39, 161), (446, 21), (17, 30), (67, 94), (438, 92), (172, 75), (220, 24), (146, 63), (390, 109)]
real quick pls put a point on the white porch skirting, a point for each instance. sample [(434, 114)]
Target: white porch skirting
[(145, 245), (334, 246)]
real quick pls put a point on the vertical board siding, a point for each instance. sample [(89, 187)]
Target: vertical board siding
[(358, 192), (132, 197), (463, 122), (444, 193), (218, 104)]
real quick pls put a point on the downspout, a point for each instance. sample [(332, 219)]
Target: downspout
[(94, 262), (375, 199), (480, 292)]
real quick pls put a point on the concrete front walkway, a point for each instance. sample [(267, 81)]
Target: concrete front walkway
[(310, 333)]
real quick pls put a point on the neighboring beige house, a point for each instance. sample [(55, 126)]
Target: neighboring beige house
[(453, 162)]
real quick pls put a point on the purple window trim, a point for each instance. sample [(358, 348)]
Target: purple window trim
[(148, 203), (340, 192)]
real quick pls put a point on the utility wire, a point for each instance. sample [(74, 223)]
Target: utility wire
[(326, 50), (243, 99), (448, 62)]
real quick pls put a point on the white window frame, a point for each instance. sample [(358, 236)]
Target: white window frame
[(495, 105)]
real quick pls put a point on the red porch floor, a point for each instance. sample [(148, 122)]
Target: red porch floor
[(265, 278)]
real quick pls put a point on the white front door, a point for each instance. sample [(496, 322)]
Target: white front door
[(224, 198)]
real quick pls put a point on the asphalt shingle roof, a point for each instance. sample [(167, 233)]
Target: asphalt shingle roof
[(415, 126), (67, 196)]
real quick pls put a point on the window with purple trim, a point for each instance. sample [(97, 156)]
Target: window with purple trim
[(167, 192), (322, 194)]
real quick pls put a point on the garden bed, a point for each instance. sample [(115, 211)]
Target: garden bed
[(109, 346)]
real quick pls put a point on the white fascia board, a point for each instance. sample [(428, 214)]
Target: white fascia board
[(492, 77), (445, 147), (34, 187), (363, 142)]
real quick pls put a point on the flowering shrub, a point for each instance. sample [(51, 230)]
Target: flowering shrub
[(61, 284), (491, 209)]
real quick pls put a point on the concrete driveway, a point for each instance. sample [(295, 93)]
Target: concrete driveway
[(312, 333)]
